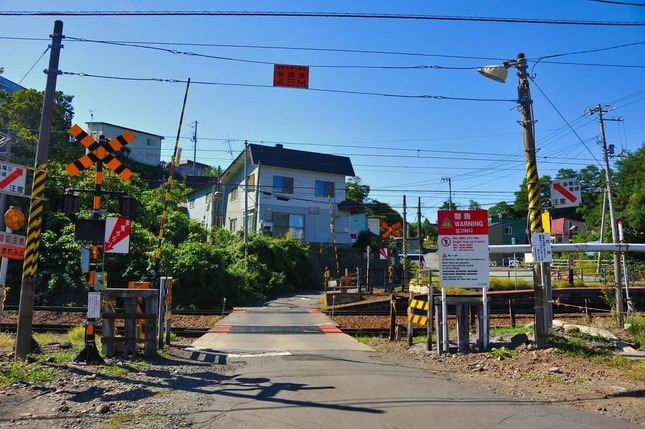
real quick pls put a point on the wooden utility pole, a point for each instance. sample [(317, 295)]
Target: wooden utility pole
[(30, 264), (541, 292)]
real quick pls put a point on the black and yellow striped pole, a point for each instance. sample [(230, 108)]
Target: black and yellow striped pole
[(534, 211), (34, 225), (166, 196)]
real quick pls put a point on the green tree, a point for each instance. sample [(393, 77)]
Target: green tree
[(629, 190), (502, 210), (355, 190)]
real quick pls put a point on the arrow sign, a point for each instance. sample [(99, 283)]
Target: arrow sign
[(565, 193), (12, 178), (568, 195)]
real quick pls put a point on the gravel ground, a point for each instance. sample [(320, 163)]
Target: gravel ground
[(137, 393)]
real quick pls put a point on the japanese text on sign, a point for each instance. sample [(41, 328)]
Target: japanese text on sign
[(12, 178), (291, 76), (463, 248)]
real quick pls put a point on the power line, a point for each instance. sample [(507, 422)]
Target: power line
[(329, 15), (336, 91)]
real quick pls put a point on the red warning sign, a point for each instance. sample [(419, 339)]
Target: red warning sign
[(463, 222), (291, 76)]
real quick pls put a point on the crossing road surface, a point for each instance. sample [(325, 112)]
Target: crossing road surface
[(296, 370)]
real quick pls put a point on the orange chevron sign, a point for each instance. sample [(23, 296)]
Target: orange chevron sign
[(100, 152)]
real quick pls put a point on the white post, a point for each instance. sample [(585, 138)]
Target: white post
[(3, 277), (162, 310), (485, 318), (444, 319)]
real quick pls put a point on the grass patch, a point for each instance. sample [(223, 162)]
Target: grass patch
[(216, 318), (502, 353), (577, 347), (550, 378), (500, 283), (368, 340), (632, 368), (121, 420), (76, 336), (637, 330), (503, 330), (23, 372), (6, 339), (57, 357)]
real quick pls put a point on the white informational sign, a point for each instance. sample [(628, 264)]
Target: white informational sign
[(12, 178), (565, 193), (117, 235), (463, 248), (94, 305), (541, 248)]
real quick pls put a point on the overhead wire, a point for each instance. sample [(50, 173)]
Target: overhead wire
[(337, 15)]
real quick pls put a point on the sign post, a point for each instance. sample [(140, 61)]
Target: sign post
[(463, 258)]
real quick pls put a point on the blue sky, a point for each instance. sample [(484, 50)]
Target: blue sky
[(398, 144)]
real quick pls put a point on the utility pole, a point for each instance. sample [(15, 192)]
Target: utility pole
[(30, 264), (602, 109), (534, 214), (246, 207), (194, 139), (449, 180)]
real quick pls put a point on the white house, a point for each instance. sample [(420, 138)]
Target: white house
[(288, 191), (146, 148)]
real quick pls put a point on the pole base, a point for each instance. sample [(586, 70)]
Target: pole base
[(89, 355)]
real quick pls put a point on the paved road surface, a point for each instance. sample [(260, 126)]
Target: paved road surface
[(300, 372)]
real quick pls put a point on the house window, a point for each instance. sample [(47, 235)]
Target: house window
[(508, 230), (324, 189), (232, 224), (283, 184), (251, 181), (234, 194), (191, 204), (284, 223)]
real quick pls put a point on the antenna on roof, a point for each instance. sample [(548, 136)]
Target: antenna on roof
[(230, 149), (92, 114)]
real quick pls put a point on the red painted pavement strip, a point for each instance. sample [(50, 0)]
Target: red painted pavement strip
[(330, 329), (315, 312), (239, 311), (220, 329)]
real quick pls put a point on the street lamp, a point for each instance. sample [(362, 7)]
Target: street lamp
[(542, 293)]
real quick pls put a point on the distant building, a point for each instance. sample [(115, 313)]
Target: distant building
[(146, 148), (290, 191), (563, 230), (191, 168), (507, 231), (9, 86)]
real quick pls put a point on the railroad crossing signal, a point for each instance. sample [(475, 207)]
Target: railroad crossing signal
[(391, 229), (102, 151)]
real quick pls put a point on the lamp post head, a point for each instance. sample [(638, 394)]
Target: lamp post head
[(496, 73)]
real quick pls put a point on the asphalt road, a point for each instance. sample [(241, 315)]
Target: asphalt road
[(306, 375)]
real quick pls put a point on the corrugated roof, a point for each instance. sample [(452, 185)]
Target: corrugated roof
[(278, 156)]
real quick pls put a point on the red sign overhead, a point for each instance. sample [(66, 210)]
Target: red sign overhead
[(291, 76), (462, 222)]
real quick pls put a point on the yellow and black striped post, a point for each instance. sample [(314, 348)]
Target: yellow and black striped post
[(541, 287), (173, 163)]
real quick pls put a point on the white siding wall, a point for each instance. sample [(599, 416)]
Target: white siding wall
[(146, 148), (304, 202), (200, 206)]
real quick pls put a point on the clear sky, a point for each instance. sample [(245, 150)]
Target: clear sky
[(399, 143)]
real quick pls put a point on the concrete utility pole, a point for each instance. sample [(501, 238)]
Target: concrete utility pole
[(600, 109), (534, 214), (194, 139), (449, 180), (30, 264)]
